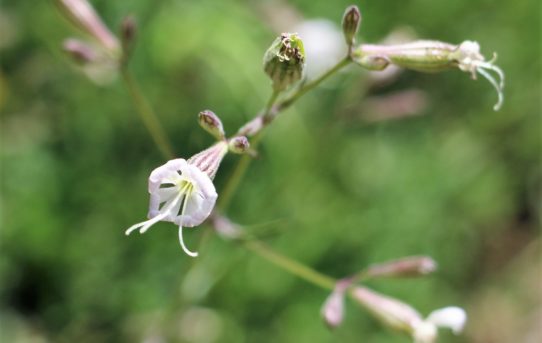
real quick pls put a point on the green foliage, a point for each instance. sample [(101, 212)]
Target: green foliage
[(333, 189)]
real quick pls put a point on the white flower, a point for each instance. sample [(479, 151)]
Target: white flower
[(425, 331), (180, 193)]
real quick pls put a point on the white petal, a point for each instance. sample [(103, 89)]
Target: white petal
[(166, 194), (449, 317), (202, 181), (166, 173), (201, 201)]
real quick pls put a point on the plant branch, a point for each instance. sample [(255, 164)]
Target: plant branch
[(255, 126), (147, 114), (300, 270)]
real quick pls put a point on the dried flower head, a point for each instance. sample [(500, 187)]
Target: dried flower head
[(284, 61)]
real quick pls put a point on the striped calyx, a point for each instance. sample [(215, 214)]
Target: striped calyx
[(209, 159)]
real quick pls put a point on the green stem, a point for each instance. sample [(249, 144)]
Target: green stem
[(292, 266), (313, 83), (147, 114), (268, 114), (269, 105), (234, 181)]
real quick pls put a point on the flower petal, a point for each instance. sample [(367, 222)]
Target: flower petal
[(450, 317), (166, 173), (200, 201)]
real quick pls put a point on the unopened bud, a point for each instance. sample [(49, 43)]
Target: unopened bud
[(128, 30), (79, 51), (239, 145), (351, 23), (284, 61), (406, 267), (226, 228), (372, 62), (392, 312), (333, 309), (211, 123), (81, 13)]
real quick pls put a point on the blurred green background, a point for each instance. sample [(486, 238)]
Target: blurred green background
[(340, 185)]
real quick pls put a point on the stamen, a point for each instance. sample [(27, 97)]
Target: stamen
[(185, 249), (145, 225), (491, 66), (183, 207), (148, 223), (494, 83)]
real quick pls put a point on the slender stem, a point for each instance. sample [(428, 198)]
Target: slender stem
[(292, 266), (313, 83), (267, 115), (147, 114), (242, 165), (269, 105), (234, 181)]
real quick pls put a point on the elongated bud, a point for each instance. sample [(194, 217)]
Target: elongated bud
[(434, 56), (333, 309), (128, 31), (405, 267), (209, 159), (226, 228), (392, 312), (351, 23), (81, 13), (80, 52), (284, 61), (211, 123), (372, 62), (239, 145)]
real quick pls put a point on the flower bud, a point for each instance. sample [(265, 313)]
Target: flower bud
[(406, 267), (333, 309), (390, 311), (80, 52), (284, 61), (351, 23), (211, 123), (238, 145), (81, 13), (128, 30), (372, 62), (226, 228)]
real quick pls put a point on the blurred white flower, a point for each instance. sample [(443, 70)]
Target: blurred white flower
[(425, 331), (180, 193), (324, 45)]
